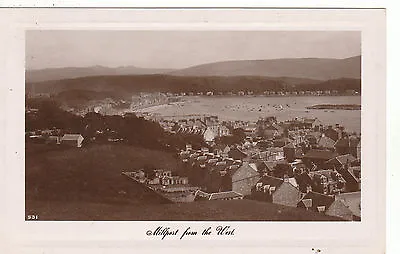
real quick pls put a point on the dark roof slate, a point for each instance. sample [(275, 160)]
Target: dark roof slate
[(319, 199), (320, 154)]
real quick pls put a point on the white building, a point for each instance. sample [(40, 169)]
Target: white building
[(72, 139)]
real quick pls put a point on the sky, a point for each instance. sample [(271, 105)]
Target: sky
[(181, 49)]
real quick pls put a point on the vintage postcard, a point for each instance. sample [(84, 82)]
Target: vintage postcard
[(193, 125), (261, 126)]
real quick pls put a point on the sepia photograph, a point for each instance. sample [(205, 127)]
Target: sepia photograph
[(136, 125)]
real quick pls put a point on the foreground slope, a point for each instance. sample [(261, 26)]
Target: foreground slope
[(224, 210), (91, 173)]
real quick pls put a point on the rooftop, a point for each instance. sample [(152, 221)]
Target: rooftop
[(270, 180), (71, 136), (226, 194), (353, 201), (325, 141), (320, 154), (348, 142), (319, 199), (342, 159)]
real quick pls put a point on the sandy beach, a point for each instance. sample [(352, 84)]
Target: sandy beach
[(252, 108)]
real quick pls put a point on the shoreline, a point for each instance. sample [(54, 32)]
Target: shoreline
[(186, 99), (335, 107), (251, 108)]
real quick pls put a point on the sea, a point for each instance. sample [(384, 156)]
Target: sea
[(251, 108)]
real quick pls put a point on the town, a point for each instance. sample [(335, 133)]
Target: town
[(297, 163)]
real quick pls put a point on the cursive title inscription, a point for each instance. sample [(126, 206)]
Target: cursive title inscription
[(187, 232)]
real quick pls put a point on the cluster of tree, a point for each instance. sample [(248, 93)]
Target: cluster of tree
[(129, 129), (50, 116), (95, 127), (340, 85), (178, 141)]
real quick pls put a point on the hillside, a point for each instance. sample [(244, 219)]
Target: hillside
[(125, 86), (224, 210), (91, 173), (340, 84), (308, 68), (76, 72)]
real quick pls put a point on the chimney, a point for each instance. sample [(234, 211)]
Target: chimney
[(271, 190), (340, 134), (321, 209), (285, 178), (308, 188)]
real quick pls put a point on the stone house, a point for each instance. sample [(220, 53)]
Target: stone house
[(244, 179), (276, 190)]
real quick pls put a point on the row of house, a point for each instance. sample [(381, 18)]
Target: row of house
[(163, 182), (215, 173), (283, 192), (325, 171), (249, 93), (158, 177), (208, 127)]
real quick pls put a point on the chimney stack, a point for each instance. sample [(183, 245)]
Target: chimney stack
[(285, 178)]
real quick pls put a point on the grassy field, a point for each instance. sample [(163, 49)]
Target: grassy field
[(90, 174), (232, 210)]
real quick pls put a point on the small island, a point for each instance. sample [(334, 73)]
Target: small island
[(336, 106)]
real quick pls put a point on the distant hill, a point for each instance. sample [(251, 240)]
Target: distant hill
[(125, 86), (75, 72), (308, 68), (291, 70)]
